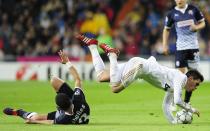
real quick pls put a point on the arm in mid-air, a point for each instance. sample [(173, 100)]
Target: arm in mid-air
[(76, 77), (166, 32), (65, 60)]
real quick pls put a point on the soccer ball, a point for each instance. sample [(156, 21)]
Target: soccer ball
[(184, 117)]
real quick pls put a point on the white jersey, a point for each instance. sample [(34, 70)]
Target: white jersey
[(171, 80), (159, 76)]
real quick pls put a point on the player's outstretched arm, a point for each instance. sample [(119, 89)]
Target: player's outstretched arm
[(166, 106), (65, 60), (29, 121)]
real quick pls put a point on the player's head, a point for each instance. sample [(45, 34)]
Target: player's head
[(181, 3), (194, 78), (63, 102)]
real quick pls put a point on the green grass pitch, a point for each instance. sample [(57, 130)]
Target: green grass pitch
[(137, 108)]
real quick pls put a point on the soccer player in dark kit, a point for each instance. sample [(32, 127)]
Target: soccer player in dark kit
[(72, 107)]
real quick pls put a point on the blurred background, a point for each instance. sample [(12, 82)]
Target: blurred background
[(35, 30)]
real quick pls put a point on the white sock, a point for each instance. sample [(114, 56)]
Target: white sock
[(97, 61), (114, 79)]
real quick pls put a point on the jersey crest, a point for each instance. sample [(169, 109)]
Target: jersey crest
[(190, 12)]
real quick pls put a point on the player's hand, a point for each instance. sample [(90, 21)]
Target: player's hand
[(195, 111), (64, 58), (174, 121), (165, 50), (193, 28)]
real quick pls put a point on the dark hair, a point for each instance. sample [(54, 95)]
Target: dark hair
[(195, 74), (63, 101)]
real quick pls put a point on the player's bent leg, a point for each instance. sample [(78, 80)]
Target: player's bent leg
[(56, 83), (97, 61), (103, 76), (117, 88)]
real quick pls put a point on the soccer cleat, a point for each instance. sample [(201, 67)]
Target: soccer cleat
[(10, 111), (87, 41), (109, 49), (20, 112)]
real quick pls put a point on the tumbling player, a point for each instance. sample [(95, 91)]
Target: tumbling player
[(122, 75), (187, 20), (72, 107)]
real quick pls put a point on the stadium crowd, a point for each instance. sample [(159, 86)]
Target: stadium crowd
[(43, 27)]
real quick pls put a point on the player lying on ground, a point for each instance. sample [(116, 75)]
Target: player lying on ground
[(122, 75), (72, 107)]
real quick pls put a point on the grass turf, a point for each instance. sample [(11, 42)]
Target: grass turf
[(139, 107)]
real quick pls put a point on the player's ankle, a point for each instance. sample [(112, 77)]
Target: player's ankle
[(20, 112)]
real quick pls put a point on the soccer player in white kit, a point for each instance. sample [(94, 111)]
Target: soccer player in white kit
[(122, 75)]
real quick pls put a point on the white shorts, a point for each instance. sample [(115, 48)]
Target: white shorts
[(132, 70)]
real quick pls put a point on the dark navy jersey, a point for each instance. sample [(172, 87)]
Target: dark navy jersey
[(81, 111), (182, 19)]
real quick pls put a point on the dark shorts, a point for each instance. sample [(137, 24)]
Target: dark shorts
[(66, 89), (187, 58)]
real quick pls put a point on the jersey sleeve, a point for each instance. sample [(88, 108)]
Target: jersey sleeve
[(169, 20), (78, 95), (62, 119), (167, 102), (177, 91), (198, 15)]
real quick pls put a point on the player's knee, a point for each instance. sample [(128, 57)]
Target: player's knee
[(34, 117), (53, 80), (56, 82), (100, 78), (114, 89), (117, 87)]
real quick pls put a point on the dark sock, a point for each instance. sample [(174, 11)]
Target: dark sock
[(22, 113), (187, 96)]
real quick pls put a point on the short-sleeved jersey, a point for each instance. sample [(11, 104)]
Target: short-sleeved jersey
[(81, 111), (182, 19), (160, 76)]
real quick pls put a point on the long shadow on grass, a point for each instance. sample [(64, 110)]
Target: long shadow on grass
[(147, 124), (129, 124)]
